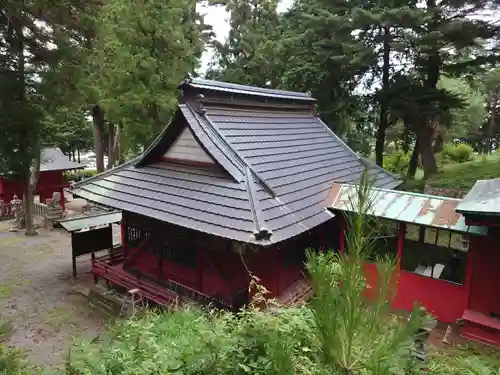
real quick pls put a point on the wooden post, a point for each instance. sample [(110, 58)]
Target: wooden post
[(92, 257), (63, 200), (74, 261), (343, 226), (401, 240), (123, 238), (199, 266), (322, 240), (469, 268)]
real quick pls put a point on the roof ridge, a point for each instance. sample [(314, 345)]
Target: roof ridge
[(234, 88), (230, 148), (261, 230)]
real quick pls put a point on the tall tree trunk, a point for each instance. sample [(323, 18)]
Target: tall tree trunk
[(425, 124), (427, 152), (412, 167), (30, 175), (97, 129), (29, 196), (117, 149), (384, 99), (111, 144), (492, 122)]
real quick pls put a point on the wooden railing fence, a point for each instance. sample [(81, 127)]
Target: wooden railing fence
[(6, 210)]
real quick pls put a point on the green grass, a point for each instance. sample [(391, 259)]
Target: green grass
[(460, 176), (6, 328), (6, 291), (470, 360), (464, 175)]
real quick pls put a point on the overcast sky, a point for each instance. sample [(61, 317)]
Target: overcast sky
[(218, 18)]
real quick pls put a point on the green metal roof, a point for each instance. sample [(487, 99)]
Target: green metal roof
[(420, 209), (88, 222), (483, 199)]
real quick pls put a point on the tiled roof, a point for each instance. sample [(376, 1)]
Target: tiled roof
[(402, 206), (53, 159), (482, 199), (275, 168)]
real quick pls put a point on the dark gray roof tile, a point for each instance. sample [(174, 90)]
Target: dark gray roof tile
[(274, 170)]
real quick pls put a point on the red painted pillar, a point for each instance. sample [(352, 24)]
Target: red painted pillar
[(123, 236), (343, 226), (278, 258), (199, 266), (401, 239), (322, 241), (469, 269)]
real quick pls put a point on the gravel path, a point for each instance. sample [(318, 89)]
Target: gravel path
[(37, 294)]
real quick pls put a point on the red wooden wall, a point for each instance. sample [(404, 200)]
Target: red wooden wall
[(48, 183), (445, 300), (485, 280), (222, 272)]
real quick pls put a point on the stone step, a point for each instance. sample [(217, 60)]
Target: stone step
[(101, 298), (106, 297)]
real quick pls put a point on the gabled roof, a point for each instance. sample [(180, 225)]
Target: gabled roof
[(275, 165), (53, 159), (483, 199), (420, 209)]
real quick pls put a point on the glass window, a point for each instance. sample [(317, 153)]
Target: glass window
[(435, 253)]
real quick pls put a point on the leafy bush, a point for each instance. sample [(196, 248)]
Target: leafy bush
[(397, 162), (457, 153), (12, 362), (192, 341), (5, 328), (80, 174)]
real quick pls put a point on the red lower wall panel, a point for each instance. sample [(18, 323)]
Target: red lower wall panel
[(481, 333), (444, 300), (224, 273), (148, 263)]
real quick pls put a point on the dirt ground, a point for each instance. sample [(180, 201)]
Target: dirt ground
[(37, 294)]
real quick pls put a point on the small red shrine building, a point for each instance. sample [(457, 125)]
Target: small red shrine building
[(237, 183), (481, 207), (447, 252), (53, 164)]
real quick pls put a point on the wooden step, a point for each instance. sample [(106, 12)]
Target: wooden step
[(96, 297), (481, 327), (106, 297), (149, 290), (297, 294)]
